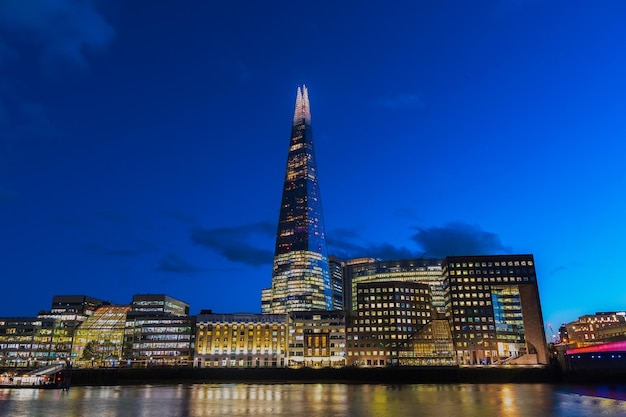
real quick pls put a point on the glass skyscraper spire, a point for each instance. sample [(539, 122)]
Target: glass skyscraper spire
[(301, 275)]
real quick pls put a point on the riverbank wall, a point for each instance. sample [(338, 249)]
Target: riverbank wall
[(404, 375)]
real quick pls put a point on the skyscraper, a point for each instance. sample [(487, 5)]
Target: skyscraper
[(300, 275)]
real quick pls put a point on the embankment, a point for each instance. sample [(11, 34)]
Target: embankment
[(404, 375)]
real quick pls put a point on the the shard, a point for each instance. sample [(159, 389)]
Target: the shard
[(300, 275)]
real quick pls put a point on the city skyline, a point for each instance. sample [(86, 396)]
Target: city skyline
[(142, 149)]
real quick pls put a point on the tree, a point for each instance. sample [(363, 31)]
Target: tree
[(90, 352)]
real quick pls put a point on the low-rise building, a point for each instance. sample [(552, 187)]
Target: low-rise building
[(587, 330), (317, 338), (241, 340)]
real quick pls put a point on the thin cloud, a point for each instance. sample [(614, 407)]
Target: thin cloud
[(389, 251), (234, 243), (60, 30), (343, 237), (557, 269), (457, 239), (568, 267), (174, 263), (343, 243), (133, 247)]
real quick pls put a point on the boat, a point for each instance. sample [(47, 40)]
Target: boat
[(55, 376)]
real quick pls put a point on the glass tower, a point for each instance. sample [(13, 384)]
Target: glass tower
[(301, 275)]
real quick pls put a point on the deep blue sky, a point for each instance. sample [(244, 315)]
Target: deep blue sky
[(143, 144)]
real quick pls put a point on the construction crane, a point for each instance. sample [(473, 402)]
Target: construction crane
[(554, 336)]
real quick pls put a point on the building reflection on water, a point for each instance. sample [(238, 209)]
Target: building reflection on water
[(317, 400)]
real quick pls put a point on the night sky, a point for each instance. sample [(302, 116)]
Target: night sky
[(143, 144)]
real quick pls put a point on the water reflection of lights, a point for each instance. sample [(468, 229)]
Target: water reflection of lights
[(315, 400), (507, 397)]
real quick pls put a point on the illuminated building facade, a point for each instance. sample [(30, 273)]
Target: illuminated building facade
[(423, 270), (158, 304), (590, 329), (317, 338), (493, 306), (300, 276), (26, 341), (388, 314), (432, 345), (99, 339), (336, 279), (612, 333), (240, 340), (68, 312), (75, 304), (159, 331)]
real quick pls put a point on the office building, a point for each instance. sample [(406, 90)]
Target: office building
[(423, 270), (26, 342), (68, 312), (336, 280), (158, 304), (75, 304), (388, 315), (98, 341), (240, 340), (432, 345), (300, 276), (158, 332), (493, 306)]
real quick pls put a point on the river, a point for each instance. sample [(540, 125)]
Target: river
[(318, 400)]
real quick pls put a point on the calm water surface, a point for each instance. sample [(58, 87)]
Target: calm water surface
[(317, 400)]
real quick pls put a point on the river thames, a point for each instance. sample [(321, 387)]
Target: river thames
[(318, 400)]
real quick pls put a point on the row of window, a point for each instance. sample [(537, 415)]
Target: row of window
[(471, 303), (384, 329), (493, 279), (378, 313), (378, 290), (489, 264), (374, 353), (162, 345), (386, 321), (381, 336), (367, 306), (471, 327)]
